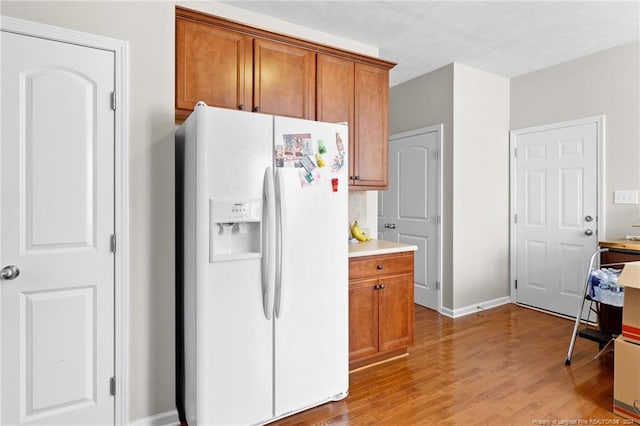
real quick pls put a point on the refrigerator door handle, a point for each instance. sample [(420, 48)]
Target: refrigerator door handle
[(268, 243), (282, 220)]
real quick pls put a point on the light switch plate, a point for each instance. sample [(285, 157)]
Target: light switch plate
[(625, 197)]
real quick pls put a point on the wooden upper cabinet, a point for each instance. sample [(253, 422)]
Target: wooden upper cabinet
[(369, 161), (213, 65), (227, 64), (283, 80), (335, 85), (357, 93), (335, 91)]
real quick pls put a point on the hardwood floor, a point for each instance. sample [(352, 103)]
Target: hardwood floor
[(499, 366)]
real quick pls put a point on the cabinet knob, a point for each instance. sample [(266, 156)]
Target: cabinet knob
[(256, 109), (381, 286), (380, 267)]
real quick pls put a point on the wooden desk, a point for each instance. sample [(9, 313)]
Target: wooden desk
[(624, 251), (610, 317)]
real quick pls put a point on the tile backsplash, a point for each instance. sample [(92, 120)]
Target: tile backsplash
[(363, 207)]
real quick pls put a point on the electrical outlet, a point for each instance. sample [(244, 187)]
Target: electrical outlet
[(625, 197)]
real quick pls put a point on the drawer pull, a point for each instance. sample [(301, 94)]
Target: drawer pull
[(380, 267)]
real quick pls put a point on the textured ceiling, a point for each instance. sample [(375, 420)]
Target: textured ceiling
[(503, 38)]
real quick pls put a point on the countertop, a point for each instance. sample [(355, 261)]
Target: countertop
[(375, 247)]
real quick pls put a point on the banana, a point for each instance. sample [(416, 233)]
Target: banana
[(357, 232)]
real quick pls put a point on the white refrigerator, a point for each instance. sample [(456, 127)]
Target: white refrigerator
[(264, 262)]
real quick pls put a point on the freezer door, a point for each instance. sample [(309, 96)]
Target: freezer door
[(234, 377), (234, 339), (311, 326)]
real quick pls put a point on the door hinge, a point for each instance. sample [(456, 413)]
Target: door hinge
[(515, 218), (113, 101), (437, 285), (112, 386), (113, 243), (515, 153), (516, 286)]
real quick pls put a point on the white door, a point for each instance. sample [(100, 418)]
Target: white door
[(57, 218), (556, 212), (409, 212)]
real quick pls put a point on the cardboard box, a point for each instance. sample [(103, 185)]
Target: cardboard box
[(630, 279), (626, 382)]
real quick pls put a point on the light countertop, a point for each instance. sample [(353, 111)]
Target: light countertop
[(375, 247)]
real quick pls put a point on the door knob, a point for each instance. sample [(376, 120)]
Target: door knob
[(588, 218), (390, 226), (10, 272), (588, 232)]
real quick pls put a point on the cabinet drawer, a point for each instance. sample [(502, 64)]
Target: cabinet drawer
[(372, 266)]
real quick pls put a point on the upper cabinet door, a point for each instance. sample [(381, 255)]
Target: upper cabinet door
[(335, 84), (334, 92), (284, 80), (212, 65), (370, 145)]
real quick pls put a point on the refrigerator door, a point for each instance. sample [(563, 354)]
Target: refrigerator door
[(234, 338), (311, 326)]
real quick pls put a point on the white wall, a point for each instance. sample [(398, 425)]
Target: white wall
[(477, 110), (148, 26), (474, 108), (480, 186), (151, 73), (606, 82), (424, 101)]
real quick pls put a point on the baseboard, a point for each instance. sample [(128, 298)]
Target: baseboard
[(168, 418), (472, 309)]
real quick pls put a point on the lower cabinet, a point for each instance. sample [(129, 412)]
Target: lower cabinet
[(381, 310)]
